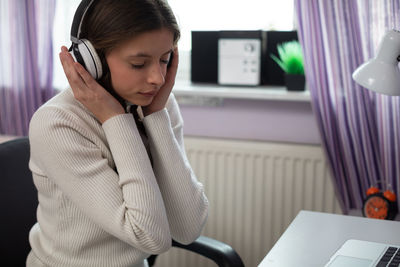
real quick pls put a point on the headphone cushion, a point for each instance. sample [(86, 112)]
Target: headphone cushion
[(91, 59)]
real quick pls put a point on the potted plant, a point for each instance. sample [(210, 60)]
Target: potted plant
[(291, 62)]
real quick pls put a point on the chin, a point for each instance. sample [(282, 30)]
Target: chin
[(148, 104), (142, 102)]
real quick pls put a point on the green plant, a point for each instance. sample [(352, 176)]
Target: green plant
[(290, 57)]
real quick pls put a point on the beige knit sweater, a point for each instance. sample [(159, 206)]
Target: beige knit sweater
[(101, 202)]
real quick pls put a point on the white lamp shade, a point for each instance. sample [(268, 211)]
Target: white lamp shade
[(381, 74)]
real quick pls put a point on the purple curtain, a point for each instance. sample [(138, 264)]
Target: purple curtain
[(359, 128), (26, 61)]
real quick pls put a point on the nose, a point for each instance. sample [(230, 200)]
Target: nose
[(156, 75)]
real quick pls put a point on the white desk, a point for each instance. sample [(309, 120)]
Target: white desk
[(313, 237)]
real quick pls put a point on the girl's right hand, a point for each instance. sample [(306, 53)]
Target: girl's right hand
[(87, 91)]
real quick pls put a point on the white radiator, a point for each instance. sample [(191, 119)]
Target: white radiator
[(255, 190)]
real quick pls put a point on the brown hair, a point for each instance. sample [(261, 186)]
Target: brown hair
[(111, 22)]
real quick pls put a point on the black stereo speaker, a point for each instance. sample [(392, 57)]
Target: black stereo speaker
[(204, 64)]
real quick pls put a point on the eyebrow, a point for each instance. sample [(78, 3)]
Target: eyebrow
[(141, 54)]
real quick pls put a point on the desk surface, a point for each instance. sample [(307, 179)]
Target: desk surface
[(313, 237)]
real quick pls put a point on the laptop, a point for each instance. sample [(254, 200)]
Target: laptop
[(359, 253)]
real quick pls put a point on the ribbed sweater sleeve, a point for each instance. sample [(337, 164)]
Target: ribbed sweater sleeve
[(184, 198), (125, 202)]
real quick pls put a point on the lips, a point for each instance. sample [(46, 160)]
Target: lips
[(150, 93)]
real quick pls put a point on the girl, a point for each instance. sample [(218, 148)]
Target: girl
[(114, 189)]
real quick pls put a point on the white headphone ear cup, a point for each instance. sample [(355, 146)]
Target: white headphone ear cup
[(91, 59)]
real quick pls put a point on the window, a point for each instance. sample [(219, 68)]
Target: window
[(231, 15), (191, 15), (65, 10)]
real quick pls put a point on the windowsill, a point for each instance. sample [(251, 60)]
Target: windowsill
[(275, 93)]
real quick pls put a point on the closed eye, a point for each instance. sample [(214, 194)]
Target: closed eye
[(166, 58), (137, 66)]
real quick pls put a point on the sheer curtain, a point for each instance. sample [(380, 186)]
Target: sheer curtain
[(359, 128), (26, 61)]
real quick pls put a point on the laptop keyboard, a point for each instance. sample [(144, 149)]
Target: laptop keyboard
[(390, 258)]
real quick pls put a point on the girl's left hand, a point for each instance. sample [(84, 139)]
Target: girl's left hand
[(160, 100)]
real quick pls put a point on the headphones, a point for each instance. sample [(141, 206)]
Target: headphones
[(82, 50)]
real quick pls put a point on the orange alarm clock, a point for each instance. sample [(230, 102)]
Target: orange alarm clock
[(380, 205)]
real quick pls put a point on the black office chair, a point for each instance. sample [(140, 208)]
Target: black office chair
[(19, 204)]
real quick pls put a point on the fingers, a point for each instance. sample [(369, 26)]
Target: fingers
[(175, 61), (173, 69), (84, 74), (76, 74), (68, 65), (65, 61), (65, 56)]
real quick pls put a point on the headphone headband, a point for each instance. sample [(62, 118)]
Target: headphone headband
[(82, 50), (78, 18)]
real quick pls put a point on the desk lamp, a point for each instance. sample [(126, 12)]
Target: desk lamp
[(381, 74)]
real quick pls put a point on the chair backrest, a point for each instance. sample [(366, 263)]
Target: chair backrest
[(18, 201)]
